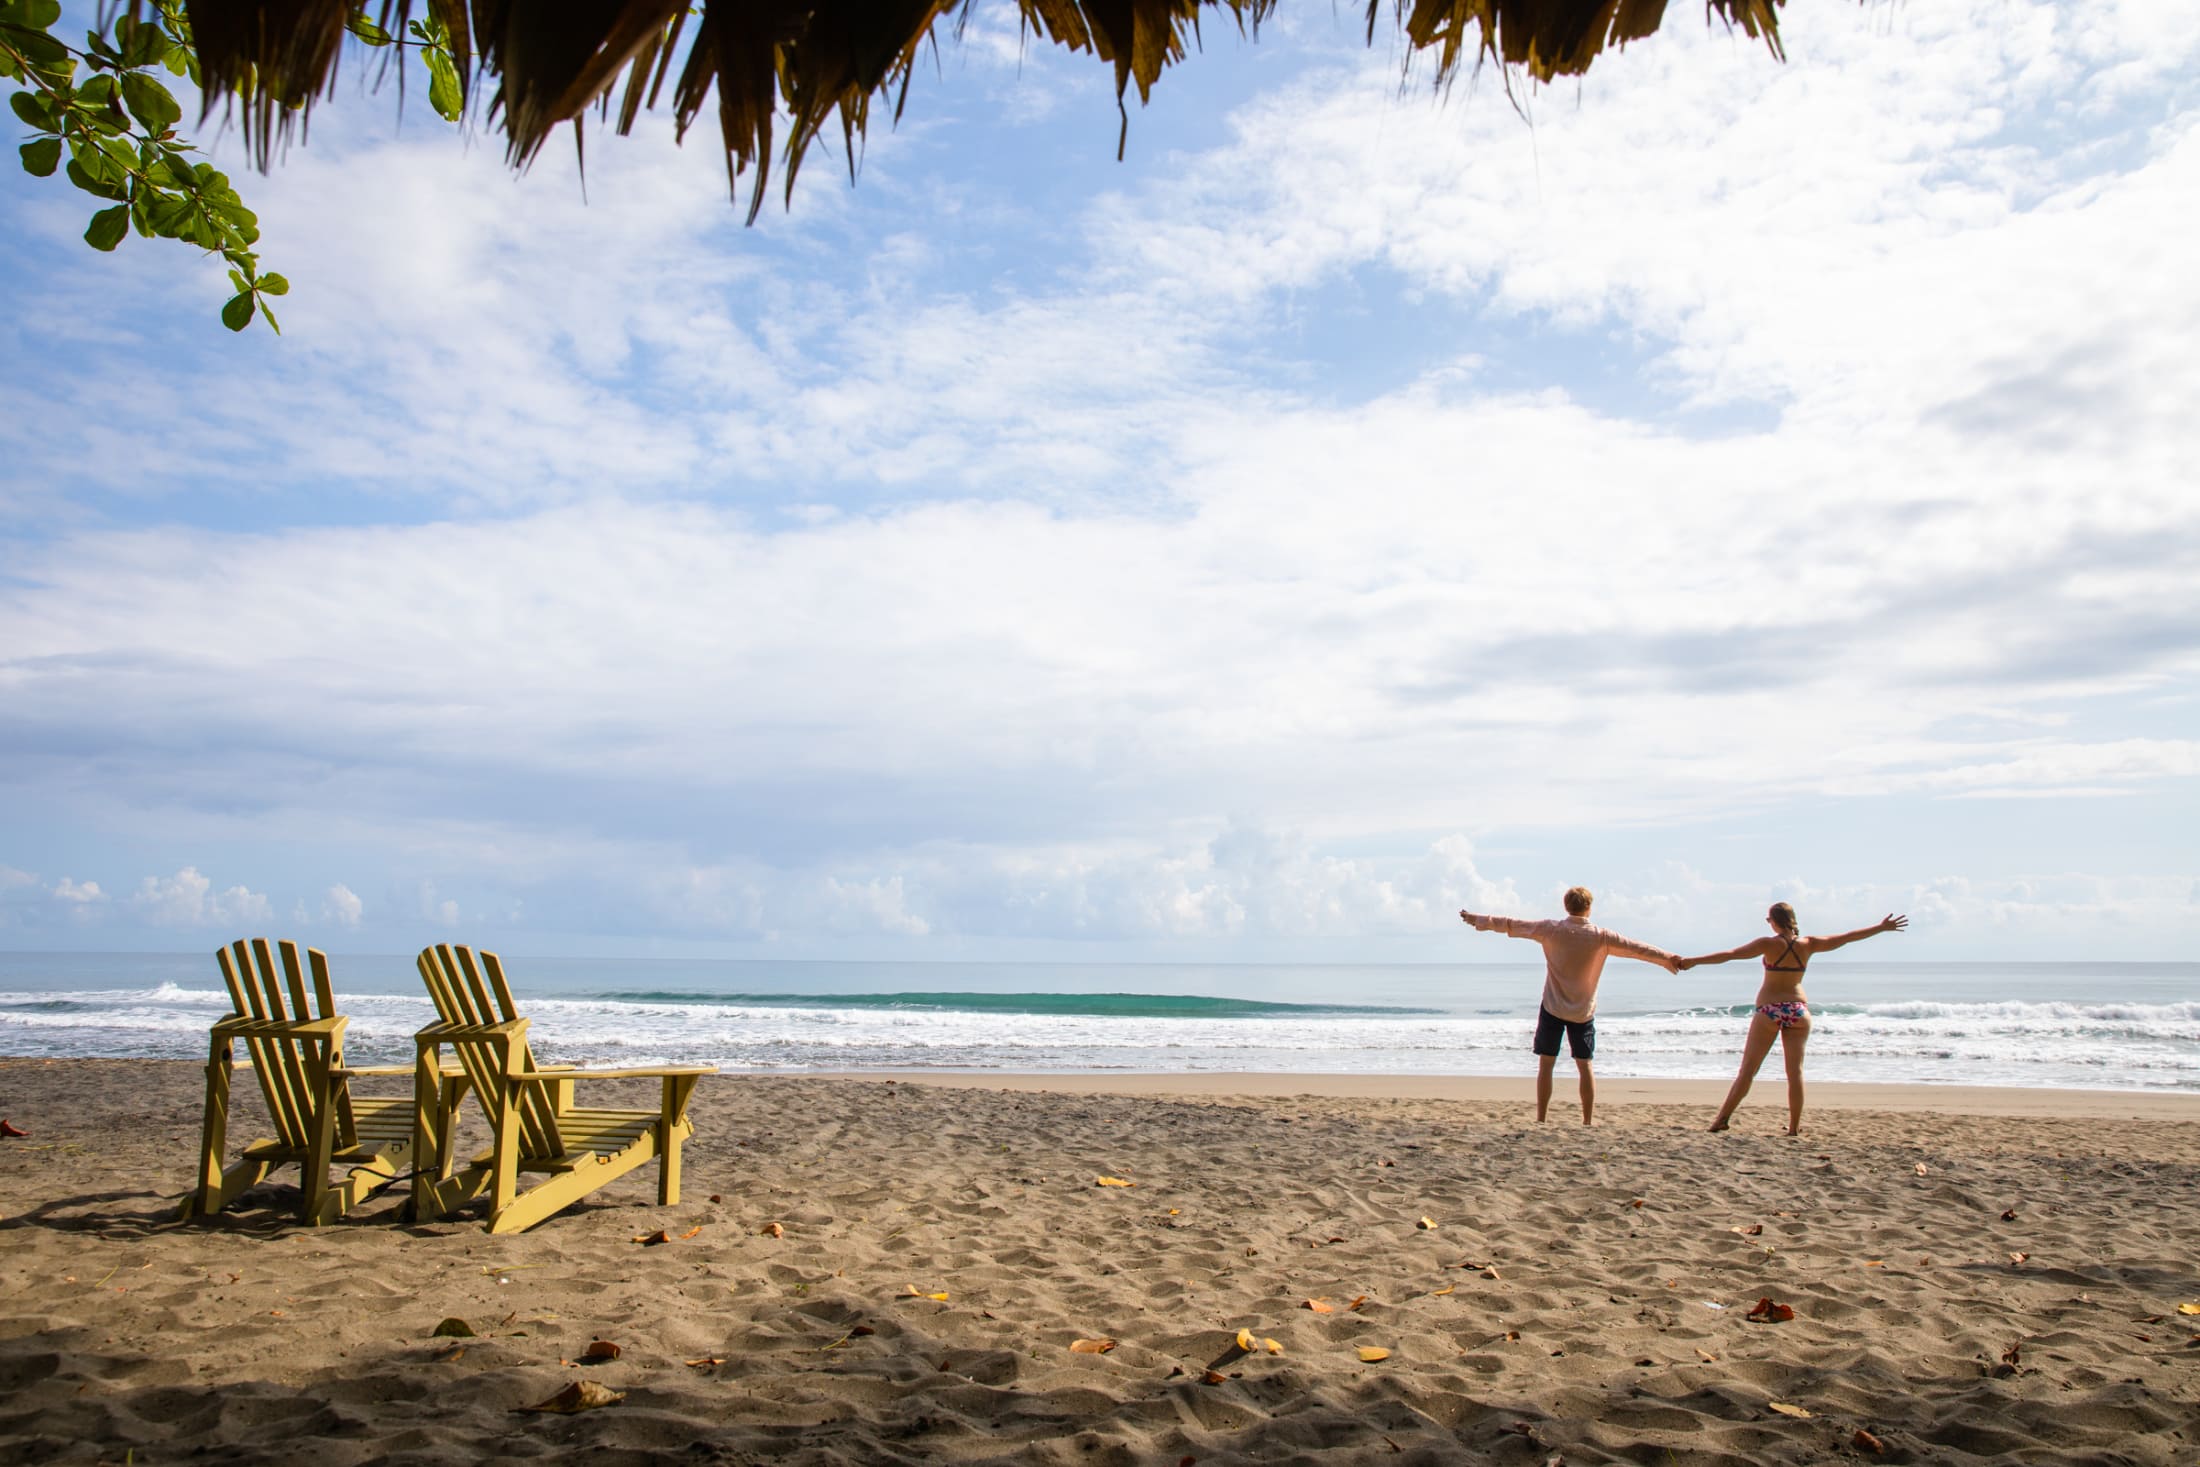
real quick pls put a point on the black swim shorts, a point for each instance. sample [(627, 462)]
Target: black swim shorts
[(1581, 1037)]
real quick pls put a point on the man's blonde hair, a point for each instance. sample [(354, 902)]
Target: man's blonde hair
[(1579, 899)]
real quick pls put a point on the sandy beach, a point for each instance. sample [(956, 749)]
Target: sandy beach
[(1973, 1275)]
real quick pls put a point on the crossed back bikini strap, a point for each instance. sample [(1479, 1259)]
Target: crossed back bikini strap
[(1781, 964)]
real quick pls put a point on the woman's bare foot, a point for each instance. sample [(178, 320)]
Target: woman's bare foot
[(1718, 1125), (10, 1128)]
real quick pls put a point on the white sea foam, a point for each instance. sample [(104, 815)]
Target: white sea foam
[(2042, 1041)]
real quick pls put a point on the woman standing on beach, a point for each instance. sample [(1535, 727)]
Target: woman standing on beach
[(1781, 1007)]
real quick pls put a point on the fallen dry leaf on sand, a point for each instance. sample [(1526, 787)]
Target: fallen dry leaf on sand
[(1768, 1312), (453, 1328), (1319, 1306), (1092, 1347), (1864, 1441), (1273, 1347), (1214, 1377), (452, 1355), (917, 1293), (1369, 1354), (1922, 1169), (1640, 1202), (2019, 1257), (1752, 1231), (1708, 1357), (1786, 1410), (2013, 1357), (2188, 1309), (653, 1240), (599, 1350), (771, 1230), (2009, 1215), (691, 1232), (705, 1362), (581, 1395), (1235, 1351), (1112, 1182), (1426, 1225), (1440, 1293), (716, 1198), (1354, 1306)]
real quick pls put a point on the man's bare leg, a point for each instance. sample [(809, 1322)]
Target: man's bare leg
[(1544, 1064), (1588, 1093)]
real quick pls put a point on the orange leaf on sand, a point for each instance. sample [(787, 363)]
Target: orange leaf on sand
[(1786, 1410), (581, 1395), (1273, 1347), (452, 1355), (2009, 1215), (1092, 1347), (1875, 1263), (705, 1362), (2019, 1257), (1440, 1293), (1752, 1231), (599, 1350), (1354, 1306), (652, 1240), (1864, 1441), (1319, 1306), (1922, 1169), (1112, 1182), (1426, 1225), (771, 1230), (1768, 1312), (1369, 1354), (916, 1293), (1640, 1202), (1214, 1377), (1708, 1357), (2188, 1309), (691, 1232)]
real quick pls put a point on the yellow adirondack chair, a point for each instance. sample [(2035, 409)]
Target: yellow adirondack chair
[(530, 1107), (297, 1051)]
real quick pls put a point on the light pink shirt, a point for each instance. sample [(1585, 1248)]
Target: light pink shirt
[(1574, 950)]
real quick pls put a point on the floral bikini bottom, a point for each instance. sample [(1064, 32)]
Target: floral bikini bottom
[(1786, 1015)]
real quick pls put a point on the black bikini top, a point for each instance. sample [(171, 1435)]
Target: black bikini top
[(1781, 965)]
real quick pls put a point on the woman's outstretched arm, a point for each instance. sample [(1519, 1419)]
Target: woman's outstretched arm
[(1746, 950), (1888, 923)]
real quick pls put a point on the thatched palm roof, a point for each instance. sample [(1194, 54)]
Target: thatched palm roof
[(551, 61)]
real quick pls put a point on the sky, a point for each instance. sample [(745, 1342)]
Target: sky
[(1716, 480)]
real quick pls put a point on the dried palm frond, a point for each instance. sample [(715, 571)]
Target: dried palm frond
[(551, 60)]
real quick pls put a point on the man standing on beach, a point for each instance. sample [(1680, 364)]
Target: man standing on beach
[(1574, 950)]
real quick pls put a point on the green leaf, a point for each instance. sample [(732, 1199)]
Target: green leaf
[(41, 158), (269, 316), (273, 285), (34, 110), (84, 179), (143, 43), (36, 15), (98, 92), (150, 103), (168, 214), (108, 227), (178, 61), (366, 30), (237, 314), (444, 93)]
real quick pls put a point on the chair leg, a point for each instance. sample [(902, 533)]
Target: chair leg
[(213, 1130)]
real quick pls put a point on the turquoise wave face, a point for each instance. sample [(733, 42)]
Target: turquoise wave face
[(1091, 1005)]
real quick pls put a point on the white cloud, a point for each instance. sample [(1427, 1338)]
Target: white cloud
[(78, 893), (341, 905), (188, 899)]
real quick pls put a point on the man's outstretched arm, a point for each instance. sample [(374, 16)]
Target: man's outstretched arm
[(1510, 926), (1627, 947)]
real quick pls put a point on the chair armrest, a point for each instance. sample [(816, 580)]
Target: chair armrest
[(544, 1077), (239, 1027), (442, 1033), (347, 1071)]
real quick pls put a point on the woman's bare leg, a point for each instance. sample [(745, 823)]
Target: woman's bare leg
[(1754, 1050), (1792, 1040)]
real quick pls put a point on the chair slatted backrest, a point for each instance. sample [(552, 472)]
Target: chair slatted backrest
[(256, 991), (469, 988)]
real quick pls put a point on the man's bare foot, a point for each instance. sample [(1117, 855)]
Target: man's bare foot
[(10, 1128), (1719, 1125)]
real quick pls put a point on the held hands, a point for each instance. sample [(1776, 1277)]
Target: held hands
[(1892, 923), (1682, 965)]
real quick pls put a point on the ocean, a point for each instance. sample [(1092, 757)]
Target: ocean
[(2061, 1025)]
